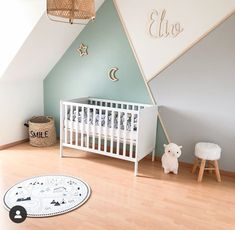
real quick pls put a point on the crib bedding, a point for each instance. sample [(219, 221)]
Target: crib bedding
[(101, 119), (102, 131)]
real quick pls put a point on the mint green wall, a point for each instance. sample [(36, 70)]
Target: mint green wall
[(74, 76)]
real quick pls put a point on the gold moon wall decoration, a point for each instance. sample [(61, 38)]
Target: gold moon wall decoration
[(112, 73)]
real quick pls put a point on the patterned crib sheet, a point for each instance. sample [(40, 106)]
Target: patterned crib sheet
[(102, 118)]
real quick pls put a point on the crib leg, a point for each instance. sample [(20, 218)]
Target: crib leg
[(61, 150), (153, 155), (136, 168)]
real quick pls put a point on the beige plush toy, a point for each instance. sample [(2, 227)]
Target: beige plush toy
[(170, 158)]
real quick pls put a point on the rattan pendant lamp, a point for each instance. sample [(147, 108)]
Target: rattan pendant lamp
[(71, 11)]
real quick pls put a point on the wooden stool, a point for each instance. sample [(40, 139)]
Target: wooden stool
[(207, 152)]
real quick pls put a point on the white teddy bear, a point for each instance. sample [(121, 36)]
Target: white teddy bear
[(170, 158)]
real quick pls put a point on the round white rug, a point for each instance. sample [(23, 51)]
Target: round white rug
[(44, 196)]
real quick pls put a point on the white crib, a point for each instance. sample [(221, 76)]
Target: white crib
[(117, 129)]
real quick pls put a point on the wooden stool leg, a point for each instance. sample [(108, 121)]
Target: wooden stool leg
[(217, 173), (195, 165), (210, 165), (201, 171)]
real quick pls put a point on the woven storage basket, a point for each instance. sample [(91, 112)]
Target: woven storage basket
[(42, 131)]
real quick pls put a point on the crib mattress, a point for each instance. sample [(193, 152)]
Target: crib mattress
[(102, 130)]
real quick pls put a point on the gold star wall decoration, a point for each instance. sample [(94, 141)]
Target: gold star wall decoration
[(83, 50)]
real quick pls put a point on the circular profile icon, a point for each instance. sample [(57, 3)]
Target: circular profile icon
[(18, 214)]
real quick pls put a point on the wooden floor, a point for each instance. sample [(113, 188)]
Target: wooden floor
[(119, 200)]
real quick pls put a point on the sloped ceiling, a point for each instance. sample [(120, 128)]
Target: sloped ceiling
[(40, 49), (17, 19)]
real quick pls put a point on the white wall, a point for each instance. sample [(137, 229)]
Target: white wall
[(196, 17), (30, 46), (18, 102), (197, 95)]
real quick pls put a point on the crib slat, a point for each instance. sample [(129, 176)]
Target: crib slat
[(112, 132), (100, 122), (66, 125), (76, 123), (82, 126), (88, 128), (118, 132), (131, 134), (106, 130), (124, 130), (136, 141), (71, 127), (93, 136), (61, 128)]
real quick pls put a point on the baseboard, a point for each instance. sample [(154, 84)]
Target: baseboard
[(190, 166), (2, 147)]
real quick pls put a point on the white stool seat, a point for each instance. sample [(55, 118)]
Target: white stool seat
[(207, 151)]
